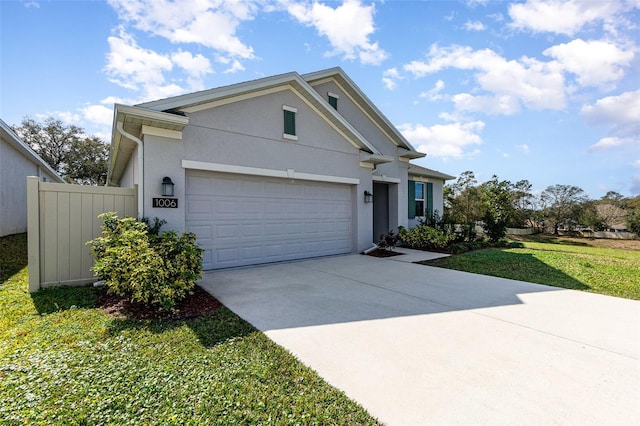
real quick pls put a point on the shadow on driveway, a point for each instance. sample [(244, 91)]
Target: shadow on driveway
[(355, 288)]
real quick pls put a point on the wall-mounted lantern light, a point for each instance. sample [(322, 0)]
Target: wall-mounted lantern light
[(167, 187), (368, 197)]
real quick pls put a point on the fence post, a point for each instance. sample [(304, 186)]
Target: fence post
[(33, 232)]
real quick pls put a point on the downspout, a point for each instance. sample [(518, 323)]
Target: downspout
[(123, 132)]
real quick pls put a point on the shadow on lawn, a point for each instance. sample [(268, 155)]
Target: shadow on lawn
[(13, 255), (210, 328), (549, 239), (516, 266)]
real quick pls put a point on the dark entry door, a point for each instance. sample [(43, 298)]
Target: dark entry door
[(380, 210)]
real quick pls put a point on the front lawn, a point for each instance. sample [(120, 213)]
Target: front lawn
[(63, 361), (579, 265)]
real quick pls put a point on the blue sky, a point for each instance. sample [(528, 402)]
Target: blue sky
[(544, 90)]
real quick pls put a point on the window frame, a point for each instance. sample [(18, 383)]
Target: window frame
[(331, 96), (289, 114), (420, 201)]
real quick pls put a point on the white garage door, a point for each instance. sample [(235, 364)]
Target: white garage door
[(247, 220)]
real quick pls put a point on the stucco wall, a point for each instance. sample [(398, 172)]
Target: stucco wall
[(249, 133), (438, 186), (14, 169)]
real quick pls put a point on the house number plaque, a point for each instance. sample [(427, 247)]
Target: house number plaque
[(165, 203)]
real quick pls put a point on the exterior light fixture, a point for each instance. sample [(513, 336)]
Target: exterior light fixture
[(368, 197), (167, 187)]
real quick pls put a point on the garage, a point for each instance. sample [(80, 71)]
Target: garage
[(247, 220)]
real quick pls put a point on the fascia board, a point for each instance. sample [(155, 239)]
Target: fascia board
[(21, 146), (332, 73), (192, 99), (431, 174), (196, 101), (328, 110), (122, 113)]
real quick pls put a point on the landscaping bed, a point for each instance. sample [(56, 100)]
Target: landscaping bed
[(197, 303)]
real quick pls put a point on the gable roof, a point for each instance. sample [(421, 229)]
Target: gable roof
[(357, 96), (208, 98), (23, 148), (303, 86), (416, 170)]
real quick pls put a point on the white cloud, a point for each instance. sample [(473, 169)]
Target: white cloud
[(196, 66), (497, 17), (444, 140), (32, 5), (131, 66), (561, 16), (434, 94), (390, 78), (610, 142), (235, 67), (474, 26), (622, 114), (524, 148), (66, 117), (98, 114), (535, 84), (144, 70), (595, 62), (347, 27), (619, 110), (492, 105), (210, 23)]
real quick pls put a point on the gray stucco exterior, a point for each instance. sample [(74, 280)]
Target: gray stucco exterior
[(17, 161), (239, 129)]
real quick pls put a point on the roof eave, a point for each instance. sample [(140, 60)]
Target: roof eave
[(399, 139), (21, 146), (132, 119)]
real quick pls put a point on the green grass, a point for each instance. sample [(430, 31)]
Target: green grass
[(581, 267), (62, 361)]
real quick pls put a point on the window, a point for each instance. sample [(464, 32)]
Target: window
[(333, 100), (420, 199), (289, 122)]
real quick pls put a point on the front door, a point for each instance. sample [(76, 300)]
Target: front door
[(380, 210)]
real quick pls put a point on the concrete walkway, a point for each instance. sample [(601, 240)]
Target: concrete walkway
[(420, 345)]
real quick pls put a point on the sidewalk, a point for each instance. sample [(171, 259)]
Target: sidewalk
[(410, 255)]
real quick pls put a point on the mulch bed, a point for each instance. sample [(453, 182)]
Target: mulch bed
[(384, 253), (198, 303)]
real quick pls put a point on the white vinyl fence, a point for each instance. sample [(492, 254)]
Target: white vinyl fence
[(61, 219)]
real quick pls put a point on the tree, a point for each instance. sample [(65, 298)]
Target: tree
[(465, 199), (633, 214), (589, 216), (464, 203), (67, 149), (498, 208), (88, 161), (522, 198), (561, 202)]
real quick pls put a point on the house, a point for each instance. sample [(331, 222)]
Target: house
[(17, 161), (280, 168)]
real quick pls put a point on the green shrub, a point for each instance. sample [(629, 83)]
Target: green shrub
[(425, 237), (157, 270), (388, 241)]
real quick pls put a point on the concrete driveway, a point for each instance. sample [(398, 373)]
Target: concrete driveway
[(421, 345)]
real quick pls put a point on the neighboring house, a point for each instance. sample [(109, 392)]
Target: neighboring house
[(273, 169), (17, 161)]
